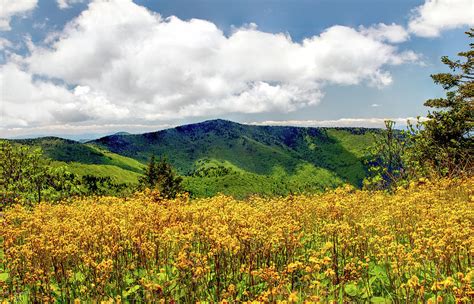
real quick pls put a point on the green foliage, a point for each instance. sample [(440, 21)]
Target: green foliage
[(444, 144), (27, 177), (104, 185), (386, 159), (69, 151), (212, 177), (253, 149), (161, 176), (222, 156), (118, 174)]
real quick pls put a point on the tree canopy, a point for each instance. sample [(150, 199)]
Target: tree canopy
[(445, 142), (161, 176)]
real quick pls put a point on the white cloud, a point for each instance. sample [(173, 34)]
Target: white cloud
[(393, 33), (342, 122), (62, 4), (126, 63), (10, 8), (375, 105), (168, 68), (75, 131), (434, 16), (26, 101)]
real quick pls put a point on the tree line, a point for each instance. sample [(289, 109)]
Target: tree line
[(27, 177)]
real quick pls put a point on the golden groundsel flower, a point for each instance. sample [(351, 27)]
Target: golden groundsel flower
[(416, 245)]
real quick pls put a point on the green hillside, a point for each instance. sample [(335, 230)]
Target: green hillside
[(214, 177), (85, 159), (254, 149), (222, 156)]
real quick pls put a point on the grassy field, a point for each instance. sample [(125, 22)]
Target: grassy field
[(117, 174), (346, 245)]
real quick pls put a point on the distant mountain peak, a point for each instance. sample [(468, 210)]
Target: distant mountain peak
[(214, 122)]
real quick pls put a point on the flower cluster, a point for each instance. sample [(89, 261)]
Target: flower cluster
[(415, 245)]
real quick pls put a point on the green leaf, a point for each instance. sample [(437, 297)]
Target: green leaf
[(380, 273), (161, 277), (3, 276), (79, 277), (351, 290), (55, 288), (378, 270), (131, 290), (372, 280)]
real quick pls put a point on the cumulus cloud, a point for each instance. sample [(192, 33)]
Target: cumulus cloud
[(434, 16), (10, 8), (393, 33), (28, 101), (126, 61), (5, 44), (170, 65), (81, 131)]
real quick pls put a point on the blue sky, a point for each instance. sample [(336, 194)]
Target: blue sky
[(71, 68)]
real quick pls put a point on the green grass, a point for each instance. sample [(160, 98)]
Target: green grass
[(118, 174), (69, 151), (120, 161), (88, 159), (355, 144)]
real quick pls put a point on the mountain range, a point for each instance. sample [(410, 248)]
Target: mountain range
[(224, 156)]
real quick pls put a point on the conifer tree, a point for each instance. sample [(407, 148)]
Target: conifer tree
[(444, 143), (150, 178), (161, 176)]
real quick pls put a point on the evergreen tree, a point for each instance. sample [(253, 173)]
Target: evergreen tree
[(161, 176), (150, 179), (440, 146), (444, 144)]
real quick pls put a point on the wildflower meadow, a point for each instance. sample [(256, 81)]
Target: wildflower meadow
[(415, 245)]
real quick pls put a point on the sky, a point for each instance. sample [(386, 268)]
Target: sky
[(78, 68)]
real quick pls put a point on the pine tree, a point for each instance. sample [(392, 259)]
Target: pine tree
[(161, 176), (150, 178), (445, 142)]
